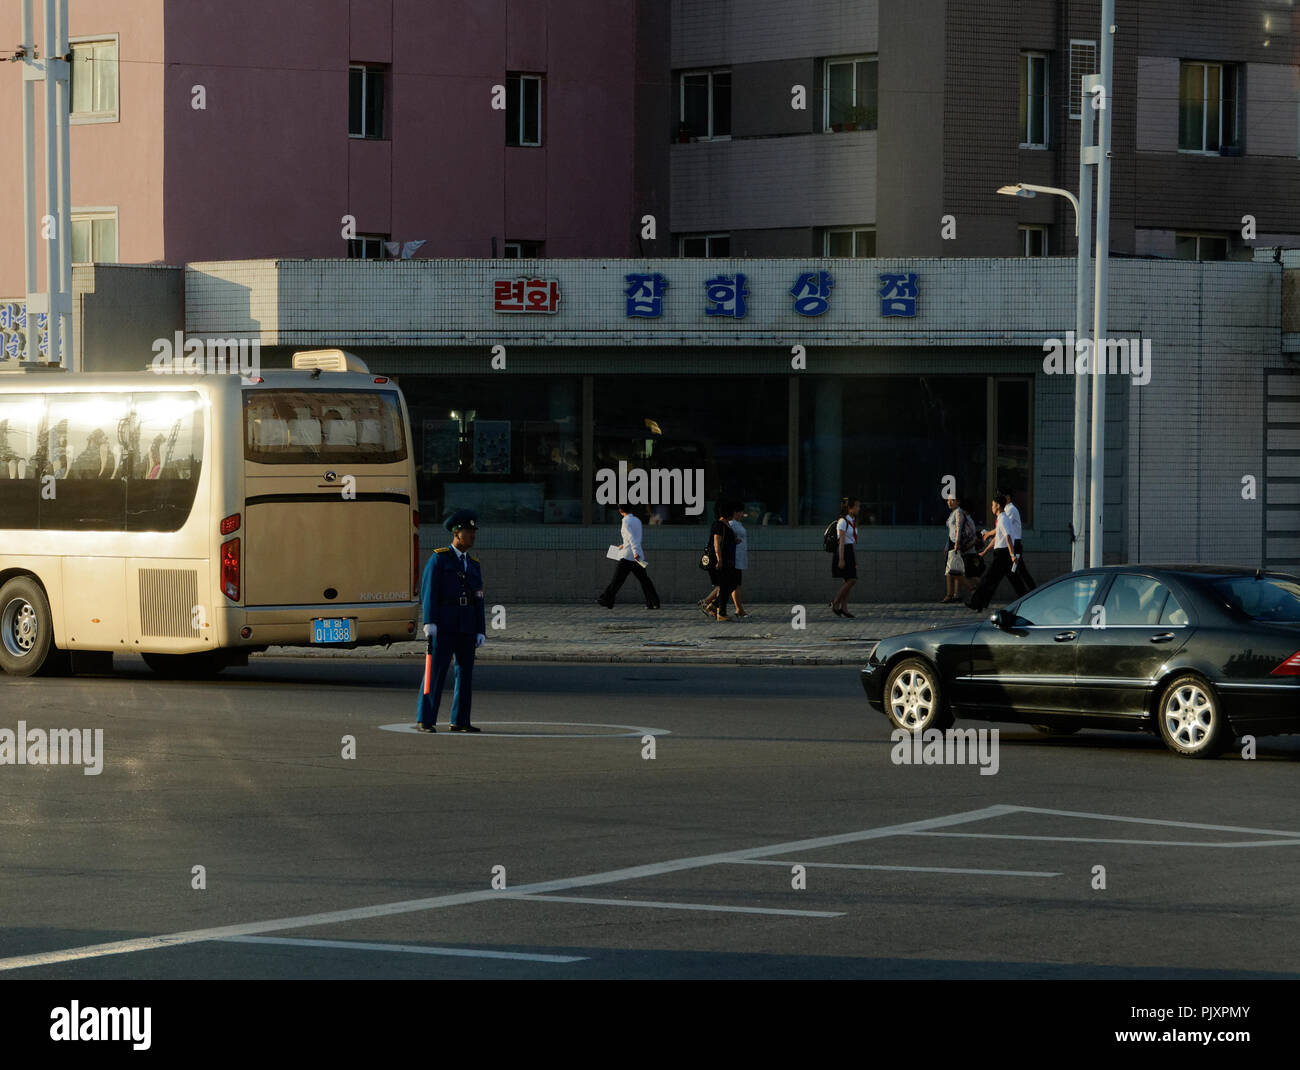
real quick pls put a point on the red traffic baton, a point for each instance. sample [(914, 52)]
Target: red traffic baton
[(428, 665)]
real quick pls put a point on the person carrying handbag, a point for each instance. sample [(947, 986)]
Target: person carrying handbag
[(960, 548)]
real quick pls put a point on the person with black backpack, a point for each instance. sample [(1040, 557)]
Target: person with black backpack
[(843, 564)]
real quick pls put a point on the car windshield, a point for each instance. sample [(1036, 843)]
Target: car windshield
[(1269, 598)]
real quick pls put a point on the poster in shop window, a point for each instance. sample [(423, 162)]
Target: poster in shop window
[(492, 447)]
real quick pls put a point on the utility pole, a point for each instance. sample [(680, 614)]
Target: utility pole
[(48, 64)]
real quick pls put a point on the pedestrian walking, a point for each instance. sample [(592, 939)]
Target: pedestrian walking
[(451, 598), (961, 541), (1004, 561), (844, 565), (742, 556), (631, 562), (1014, 531), (723, 540)]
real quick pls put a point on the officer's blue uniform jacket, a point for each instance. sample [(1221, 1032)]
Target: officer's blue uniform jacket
[(442, 588), (452, 600)]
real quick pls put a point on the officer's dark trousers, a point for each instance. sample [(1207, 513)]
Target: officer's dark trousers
[(1022, 570), (621, 573), (1000, 568), (447, 646)]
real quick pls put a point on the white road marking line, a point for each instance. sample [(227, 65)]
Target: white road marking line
[(1289, 833), (1099, 839), (631, 730), (897, 869), (674, 906), (333, 917), (410, 949)]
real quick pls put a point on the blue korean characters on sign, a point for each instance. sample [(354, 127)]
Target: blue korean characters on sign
[(812, 293), (645, 295), (727, 294), (898, 294)]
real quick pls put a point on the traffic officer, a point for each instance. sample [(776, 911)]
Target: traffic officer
[(451, 598)]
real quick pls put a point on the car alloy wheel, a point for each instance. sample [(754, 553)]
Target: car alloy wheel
[(913, 699), (1190, 721)]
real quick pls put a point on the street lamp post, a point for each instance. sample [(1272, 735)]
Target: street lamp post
[(1082, 231), (1102, 153)]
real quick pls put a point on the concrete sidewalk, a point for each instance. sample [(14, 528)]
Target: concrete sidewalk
[(631, 633)]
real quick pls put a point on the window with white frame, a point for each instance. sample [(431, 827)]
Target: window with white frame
[(94, 236), (849, 241), (524, 110), (1033, 100), (1207, 106), (522, 250), (1083, 62), (365, 102), (705, 245), (850, 98), (94, 80), (706, 104), (1193, 245), (1033, 240), (368, 247)]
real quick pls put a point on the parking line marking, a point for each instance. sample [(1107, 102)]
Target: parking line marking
[(410, 949), (1289, 833), (1099, 839), (898, 869), (675, 906), (333, 917)]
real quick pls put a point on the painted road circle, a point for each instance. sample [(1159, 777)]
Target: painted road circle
[(622, 731)]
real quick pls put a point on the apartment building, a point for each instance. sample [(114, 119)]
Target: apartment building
[(336, 128), (854, 128)]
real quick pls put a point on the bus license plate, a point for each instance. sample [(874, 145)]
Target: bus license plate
[(331, 630)]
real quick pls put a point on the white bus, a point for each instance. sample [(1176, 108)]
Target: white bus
[(196, 519)]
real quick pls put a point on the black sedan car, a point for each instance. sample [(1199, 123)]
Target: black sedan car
[(1199, 653)]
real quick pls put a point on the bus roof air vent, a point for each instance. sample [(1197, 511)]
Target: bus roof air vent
[(329, 360)]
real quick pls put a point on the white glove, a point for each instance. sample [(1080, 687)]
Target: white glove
[(479, 640), (430, 630)]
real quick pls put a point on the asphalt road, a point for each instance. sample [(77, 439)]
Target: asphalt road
[(617, 865)]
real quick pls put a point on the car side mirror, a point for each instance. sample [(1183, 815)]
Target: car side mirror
[(1003, 619)]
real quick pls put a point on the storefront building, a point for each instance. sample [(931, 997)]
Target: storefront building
[(787, 384)]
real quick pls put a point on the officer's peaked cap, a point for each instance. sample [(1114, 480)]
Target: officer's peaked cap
[(461, 518)]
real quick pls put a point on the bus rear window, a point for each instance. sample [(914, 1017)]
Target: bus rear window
[(312, 426)]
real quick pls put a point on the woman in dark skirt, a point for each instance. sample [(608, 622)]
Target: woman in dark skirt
[(843, 565)]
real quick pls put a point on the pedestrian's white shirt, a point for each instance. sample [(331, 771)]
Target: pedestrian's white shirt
[(631, 536), (1012, 515), (954, 528), (849, 527), (1001, 538), (742, 547)]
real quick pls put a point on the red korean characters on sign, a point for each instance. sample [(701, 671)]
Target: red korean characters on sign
[(526, 295)]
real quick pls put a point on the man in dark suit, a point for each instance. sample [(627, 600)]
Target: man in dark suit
[(451, 597)]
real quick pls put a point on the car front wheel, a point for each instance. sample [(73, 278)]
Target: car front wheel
[(914, 697), (1190, 720)]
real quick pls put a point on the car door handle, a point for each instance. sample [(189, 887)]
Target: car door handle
[(1163, 637), (1065, 637)]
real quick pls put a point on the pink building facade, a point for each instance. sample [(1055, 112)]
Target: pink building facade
[(230, 130)]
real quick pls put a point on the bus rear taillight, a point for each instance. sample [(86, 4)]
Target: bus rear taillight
[(230, 569), (230, 525)]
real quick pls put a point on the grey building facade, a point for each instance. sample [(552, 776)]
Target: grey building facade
[(954, 100)]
